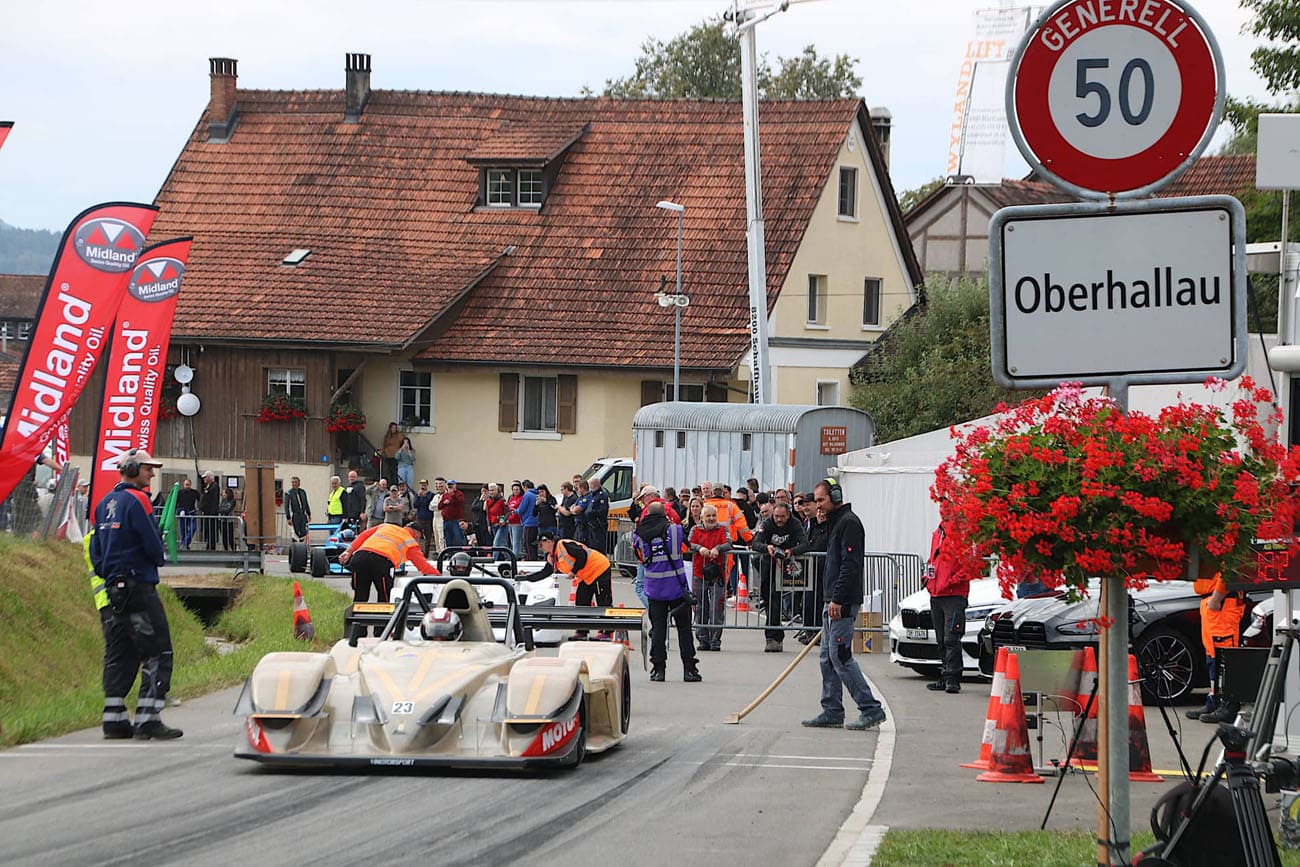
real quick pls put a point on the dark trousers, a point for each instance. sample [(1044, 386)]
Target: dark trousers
[(530, 543), (772, 597), (680, 612), (370, 569), (136, 639), (948, 617), (596, 538), (711, 611), (210, 531), (601, 591)]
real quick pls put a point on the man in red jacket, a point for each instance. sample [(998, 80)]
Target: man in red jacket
[(949, 585)]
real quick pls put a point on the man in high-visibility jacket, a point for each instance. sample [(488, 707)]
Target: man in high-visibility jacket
[(588, 565), (374, 555), (334, 501), (1220, 627), (732, 517)]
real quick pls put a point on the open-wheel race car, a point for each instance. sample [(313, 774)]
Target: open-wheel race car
[(319, 555), (472, 702)]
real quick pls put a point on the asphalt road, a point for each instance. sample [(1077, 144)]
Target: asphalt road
[(684, 788)]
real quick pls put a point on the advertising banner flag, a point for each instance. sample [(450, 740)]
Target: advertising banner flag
[(5, 126), (86, 284), (137, 361), (167, 522), (978, 137)]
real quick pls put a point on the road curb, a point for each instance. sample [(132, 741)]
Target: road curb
[(856, 842)]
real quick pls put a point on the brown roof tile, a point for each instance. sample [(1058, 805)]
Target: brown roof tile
[(525, 143), (1214, 176), (387, 206), (20, 294)]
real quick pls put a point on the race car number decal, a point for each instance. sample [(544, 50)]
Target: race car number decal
[(552, 737), (401, 707)]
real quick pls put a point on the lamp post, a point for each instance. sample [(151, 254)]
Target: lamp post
[(678, 304)]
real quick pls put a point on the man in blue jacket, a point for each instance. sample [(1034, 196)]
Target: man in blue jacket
[(126, 551), (843, 590), (659, 545), (527, 511)]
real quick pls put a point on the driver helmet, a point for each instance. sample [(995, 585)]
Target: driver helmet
[(347, 535), (460, 564), (441, 624)]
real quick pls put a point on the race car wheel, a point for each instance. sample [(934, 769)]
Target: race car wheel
[(320, 563), (625, 709), (298, 553), (1168, 663), (580, 744)]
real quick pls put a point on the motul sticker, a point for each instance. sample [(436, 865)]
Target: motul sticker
[(552, 737)]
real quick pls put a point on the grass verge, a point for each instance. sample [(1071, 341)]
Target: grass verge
[(911, 848), (51, 647)]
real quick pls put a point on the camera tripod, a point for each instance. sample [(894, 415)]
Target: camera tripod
[(1254, 834)]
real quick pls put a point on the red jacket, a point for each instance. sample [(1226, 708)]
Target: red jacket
[(669, 511), (452, 505), (495, 509), (947, 578)]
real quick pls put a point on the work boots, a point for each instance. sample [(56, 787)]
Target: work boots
[(1226, 712), (157, 731)]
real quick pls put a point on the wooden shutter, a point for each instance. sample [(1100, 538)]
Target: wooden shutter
[(652, 391), (566, 404), (715, 392), (508, 417)]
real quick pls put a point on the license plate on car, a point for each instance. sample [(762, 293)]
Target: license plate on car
[(917, 634)]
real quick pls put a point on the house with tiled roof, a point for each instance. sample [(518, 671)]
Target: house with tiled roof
[(483, 269), (949, 228)]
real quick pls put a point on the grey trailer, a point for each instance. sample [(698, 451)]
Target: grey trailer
[(791, 446)]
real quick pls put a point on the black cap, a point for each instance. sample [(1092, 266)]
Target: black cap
[(548, 533)]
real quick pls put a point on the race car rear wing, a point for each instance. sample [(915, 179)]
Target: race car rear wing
[(376, 614)]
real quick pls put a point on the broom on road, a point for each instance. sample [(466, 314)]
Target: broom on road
[(735, 718)]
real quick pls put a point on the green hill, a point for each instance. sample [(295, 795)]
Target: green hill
[(26, 251)]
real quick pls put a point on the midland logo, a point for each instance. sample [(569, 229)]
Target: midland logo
[(108, 245), (156, 279)]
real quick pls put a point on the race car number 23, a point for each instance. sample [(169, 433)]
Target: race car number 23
[(401, 707)]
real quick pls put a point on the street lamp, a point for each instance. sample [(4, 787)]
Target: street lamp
[(679, 301)]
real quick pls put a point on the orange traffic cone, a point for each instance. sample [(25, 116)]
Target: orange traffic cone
[(991, 718), (573, 591), (1085, 745), (742, 595), (1139, 750), (1010, 761), (303, 629)]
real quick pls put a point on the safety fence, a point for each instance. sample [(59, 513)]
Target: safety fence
[(784, 595), (38, 506)]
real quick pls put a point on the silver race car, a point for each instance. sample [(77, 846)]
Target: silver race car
[(398, 700)]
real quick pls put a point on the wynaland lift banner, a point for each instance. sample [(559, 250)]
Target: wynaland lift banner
[(137, 361), (86, 285), (5, 126)]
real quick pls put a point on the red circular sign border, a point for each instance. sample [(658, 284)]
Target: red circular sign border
[(1197, 68)]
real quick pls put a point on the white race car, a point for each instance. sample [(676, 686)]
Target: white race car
[(912, 642), (544, 591)]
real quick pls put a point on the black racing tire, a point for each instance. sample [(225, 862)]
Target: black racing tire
[(580, 744), (625, 707), (1169, 664), (320, 563), (298, 553)]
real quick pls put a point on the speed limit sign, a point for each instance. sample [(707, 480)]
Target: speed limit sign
[(1115, 96)]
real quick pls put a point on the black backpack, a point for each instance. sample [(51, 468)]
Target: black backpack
[(1211, 839)]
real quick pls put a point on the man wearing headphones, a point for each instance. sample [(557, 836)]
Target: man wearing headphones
[(843, 590), (126, 551)]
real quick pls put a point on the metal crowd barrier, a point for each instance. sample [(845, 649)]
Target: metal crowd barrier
[(888, 577)]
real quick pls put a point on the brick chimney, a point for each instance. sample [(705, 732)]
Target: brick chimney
[(221, 107), (357, 89)]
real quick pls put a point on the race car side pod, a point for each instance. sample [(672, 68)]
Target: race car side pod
[(735, 718)]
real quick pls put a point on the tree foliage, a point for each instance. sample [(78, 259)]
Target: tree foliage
[(704, 63), (26, 251), (1278, 60), (932, 369), (909, 199)]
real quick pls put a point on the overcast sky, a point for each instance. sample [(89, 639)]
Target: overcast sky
[(104, 95)]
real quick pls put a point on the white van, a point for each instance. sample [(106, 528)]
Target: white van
[(616, 477)]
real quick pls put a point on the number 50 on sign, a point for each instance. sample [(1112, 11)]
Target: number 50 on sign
[(1115, 96)]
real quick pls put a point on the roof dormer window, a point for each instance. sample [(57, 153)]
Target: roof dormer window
[(519, 164), (513, 188)]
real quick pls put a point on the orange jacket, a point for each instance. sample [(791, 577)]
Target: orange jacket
[(566, 560), (733, 518), (1220, 628), (395, 543)]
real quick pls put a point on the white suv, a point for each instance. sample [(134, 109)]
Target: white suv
[(912, 642)]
